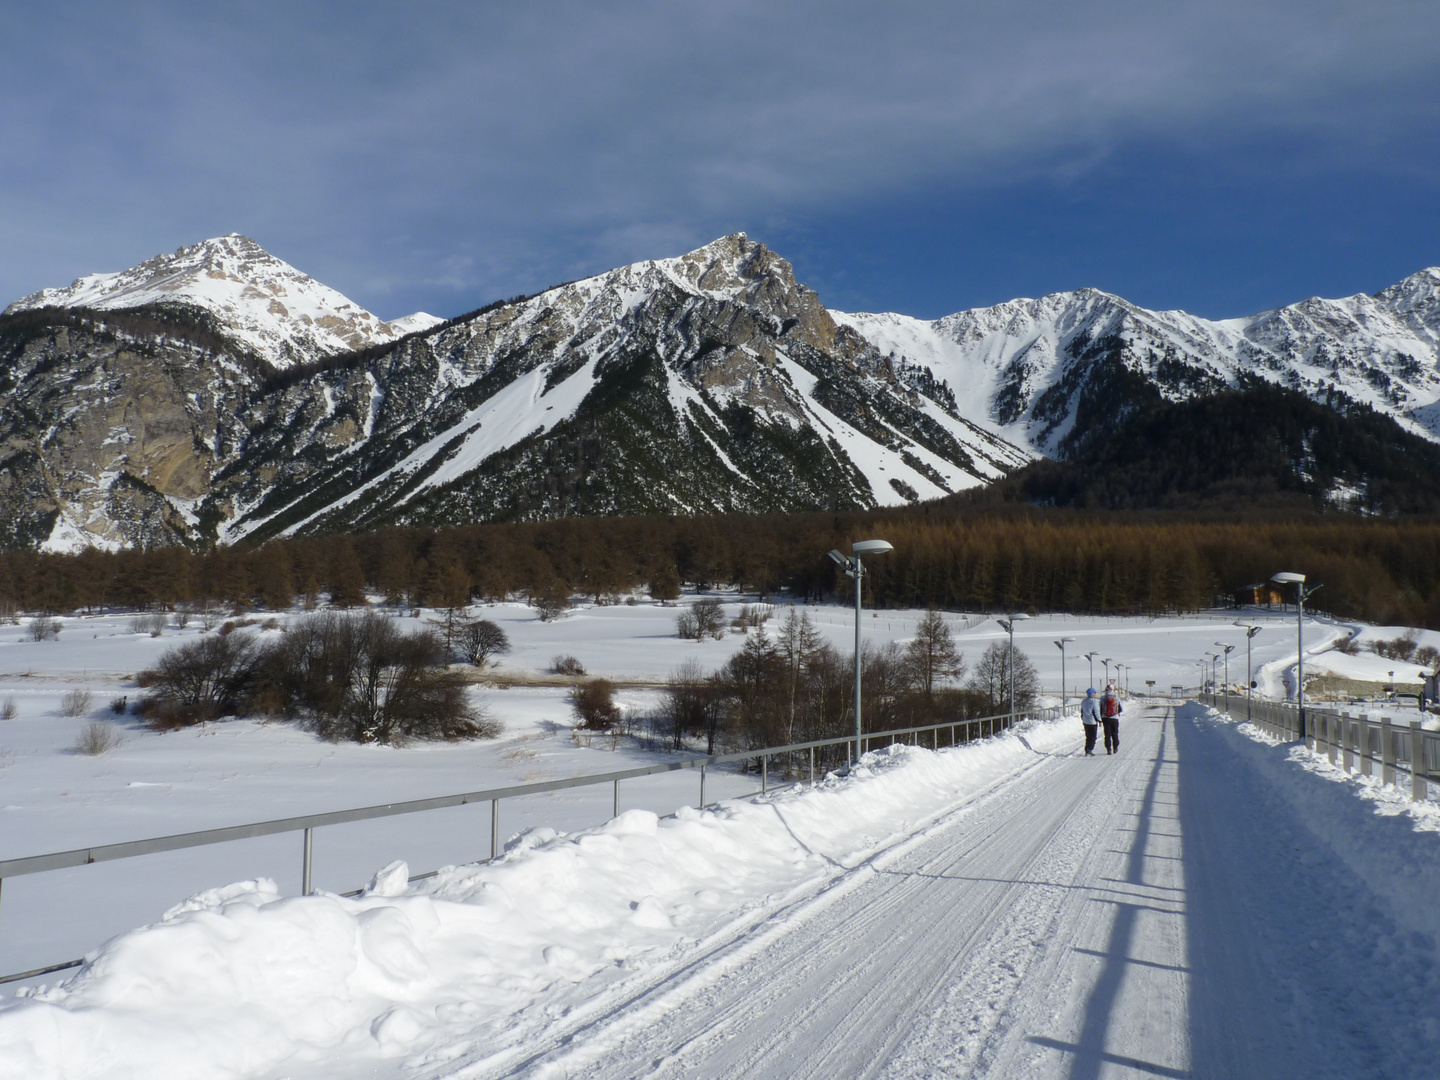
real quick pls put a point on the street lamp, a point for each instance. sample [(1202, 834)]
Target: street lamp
[(1213, 657), (1301, 595), (1107, 662), (854, 568), (1091, 657), (1061, 646), (1250, 632), (1009, 625), (1227, 649)]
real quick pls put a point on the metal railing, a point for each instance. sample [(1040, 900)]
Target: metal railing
[(955, 732), (1355, 742)]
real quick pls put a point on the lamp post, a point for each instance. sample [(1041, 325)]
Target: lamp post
[(1107, 662), (1091, 657), (1201, 662), (1009, 625), (1061, 646), (1213, 657), (1250, 632), (1301, 595), (854, 567), (1227, 649)]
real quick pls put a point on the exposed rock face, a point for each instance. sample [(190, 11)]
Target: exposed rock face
[(713, 381), (150, 412), (1047, 370), (264, 305)]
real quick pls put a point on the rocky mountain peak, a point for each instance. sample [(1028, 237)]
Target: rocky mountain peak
[(265, 304)]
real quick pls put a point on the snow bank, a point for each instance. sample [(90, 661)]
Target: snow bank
[(1369, 828), (238, 980)]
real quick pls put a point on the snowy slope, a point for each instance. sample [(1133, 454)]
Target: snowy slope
[(711, 382), (1383, 350), (264, 303), (727, 361)]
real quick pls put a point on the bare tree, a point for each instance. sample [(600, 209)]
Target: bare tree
[(991, 678), (704, 618), (685, 702), (201, 680), (931, 655), (481, 639), (594, 704)]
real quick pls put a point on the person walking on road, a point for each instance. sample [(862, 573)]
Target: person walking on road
[(1110, 710), (1090, 717)]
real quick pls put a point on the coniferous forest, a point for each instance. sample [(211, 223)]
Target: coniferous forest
[(948, 555)]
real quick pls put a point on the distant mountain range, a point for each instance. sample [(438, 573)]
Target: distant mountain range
[(218, 394)]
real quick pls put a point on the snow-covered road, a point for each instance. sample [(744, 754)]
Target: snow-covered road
[(1164, 913)]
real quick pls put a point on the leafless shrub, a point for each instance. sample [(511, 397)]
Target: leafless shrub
[(76, 702), (119, 705), (567, 665), (1347, 647), (704, 618), (201, 680), (152, 623), (43, 628), (552, 601), (1399, 648), (480, 639), (594, 704), (362, 678), (9, 710), (97, 738)]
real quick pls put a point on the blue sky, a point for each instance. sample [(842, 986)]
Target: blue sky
[(1221, 157)]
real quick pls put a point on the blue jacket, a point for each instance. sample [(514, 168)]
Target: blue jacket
[(1090, 710)]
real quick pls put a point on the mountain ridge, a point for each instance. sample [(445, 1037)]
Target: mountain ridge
[(707, 382)]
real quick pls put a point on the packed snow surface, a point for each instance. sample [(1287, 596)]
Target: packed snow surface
[(1208, 903)]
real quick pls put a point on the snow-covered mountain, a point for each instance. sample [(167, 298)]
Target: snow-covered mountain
[(1045, 369), (220, 394), (262, 303), (709, 382)]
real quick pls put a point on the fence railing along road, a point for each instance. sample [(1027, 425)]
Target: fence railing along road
[(954, 734), (1357, 743)]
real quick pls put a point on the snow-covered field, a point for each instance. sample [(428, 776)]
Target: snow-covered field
[(478, 965)]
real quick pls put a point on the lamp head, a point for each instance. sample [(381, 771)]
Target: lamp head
[(838, 558), (871, 547), (1287, 578)]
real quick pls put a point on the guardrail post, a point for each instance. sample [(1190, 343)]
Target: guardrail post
[(1330, 741), (1387, 751), (494, 828), (615, 810), (1311, 737), (1419, 785), (764, 773), (1347, 743), (702, 788), (1367, 756), (812, 766), (305, 868)]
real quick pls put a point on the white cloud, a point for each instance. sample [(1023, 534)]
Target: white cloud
[(478, 145)]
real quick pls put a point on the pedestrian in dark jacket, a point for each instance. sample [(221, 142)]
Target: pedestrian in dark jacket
[(1110, 710), (1090, 717)]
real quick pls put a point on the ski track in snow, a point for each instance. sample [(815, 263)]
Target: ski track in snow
[(1166, 912)]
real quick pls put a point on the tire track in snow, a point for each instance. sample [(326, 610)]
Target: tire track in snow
[(838, 993)]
